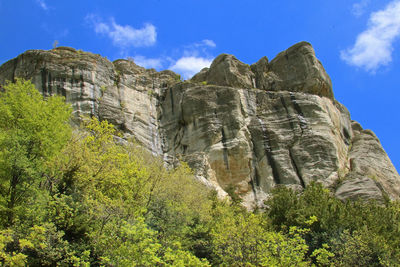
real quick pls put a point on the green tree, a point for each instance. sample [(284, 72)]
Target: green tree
[(362, 232), (33, 129), (38, 246), (124, 192), (240, 238)]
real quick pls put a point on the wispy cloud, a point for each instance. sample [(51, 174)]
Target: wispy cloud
[(199, 48), (358, 9), (188, 60), (189, 66), (124, 36), (196, 56), (143, 61), (42, 4), (374, 46), (205, 43)]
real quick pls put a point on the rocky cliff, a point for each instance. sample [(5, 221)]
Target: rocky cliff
[(247, 128)]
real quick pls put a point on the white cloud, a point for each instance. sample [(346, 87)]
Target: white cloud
[(42, 4), (358, 9), (199, 47), (195, 57), (374, 46), (189, 66), (206, 42), (155, 63), (124, 36)]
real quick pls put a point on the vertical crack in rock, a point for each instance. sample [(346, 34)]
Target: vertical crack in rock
[(252, 163), (171, 96), (256, 176), (153, 127), (72, 77), (300, 115), (242, 109), (346, 136), (49, 86), (287, 112), (82, 84), (43, 73), (182, 121), (254, 182), (61, 88), (158, 114), (296, 169), (181, 128), (268, 152), (223, 140)]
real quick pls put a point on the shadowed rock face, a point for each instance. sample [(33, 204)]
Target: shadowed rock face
[(250, 127)]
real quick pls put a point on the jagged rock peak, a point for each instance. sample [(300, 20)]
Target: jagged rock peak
[(296, 69), (227, 70)]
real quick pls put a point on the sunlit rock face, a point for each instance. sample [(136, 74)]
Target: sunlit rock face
[(250, 128), (120, 91)]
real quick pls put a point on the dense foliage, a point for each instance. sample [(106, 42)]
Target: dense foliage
[(90, 199)]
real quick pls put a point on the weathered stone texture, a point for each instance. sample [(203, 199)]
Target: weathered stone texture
[(246, 127)]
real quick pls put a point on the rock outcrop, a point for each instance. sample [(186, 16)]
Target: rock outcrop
[(250, 128)]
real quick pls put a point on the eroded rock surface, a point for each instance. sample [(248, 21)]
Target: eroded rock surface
[(247, 127), (120, 92)]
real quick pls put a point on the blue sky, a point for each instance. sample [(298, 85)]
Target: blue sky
[(357, 41)]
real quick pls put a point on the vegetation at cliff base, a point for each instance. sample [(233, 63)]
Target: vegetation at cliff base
[(86, 198)]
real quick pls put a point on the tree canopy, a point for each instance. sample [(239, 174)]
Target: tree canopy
[(33, 129), (79, 198)]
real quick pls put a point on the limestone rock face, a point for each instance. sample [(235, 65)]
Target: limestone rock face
[(227, 70), (299, 70), (296, 70), (120, 92), (247, 127), (370, 171)]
